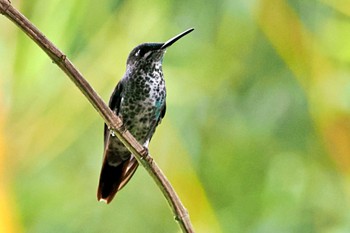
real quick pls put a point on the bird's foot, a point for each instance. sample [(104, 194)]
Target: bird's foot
[(145, 155), (144, 152), (122, 128)]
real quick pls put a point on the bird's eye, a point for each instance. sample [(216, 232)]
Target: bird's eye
[(141, 53)]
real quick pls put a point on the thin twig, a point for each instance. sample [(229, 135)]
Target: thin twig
[(142, 155)]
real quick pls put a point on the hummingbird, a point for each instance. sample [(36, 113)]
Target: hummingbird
[(139, 100)]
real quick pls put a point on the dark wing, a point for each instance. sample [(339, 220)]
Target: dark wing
[(114, 105), (114, 178), (162, 114)]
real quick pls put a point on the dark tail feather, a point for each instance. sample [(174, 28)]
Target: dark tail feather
[(113, 179), (129, 172), (110, 179)]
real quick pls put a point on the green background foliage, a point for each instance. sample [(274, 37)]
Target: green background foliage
[(257, 133)]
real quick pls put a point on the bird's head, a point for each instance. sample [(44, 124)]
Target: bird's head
[(151, 52)]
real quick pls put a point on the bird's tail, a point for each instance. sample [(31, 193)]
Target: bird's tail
[(114, 178), (109, 182)]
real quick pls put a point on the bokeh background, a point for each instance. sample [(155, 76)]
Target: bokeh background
[(257, 132)]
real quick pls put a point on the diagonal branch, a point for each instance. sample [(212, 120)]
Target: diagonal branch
[(141, 154)]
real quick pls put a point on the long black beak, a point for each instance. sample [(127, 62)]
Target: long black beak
[(174, 39)]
